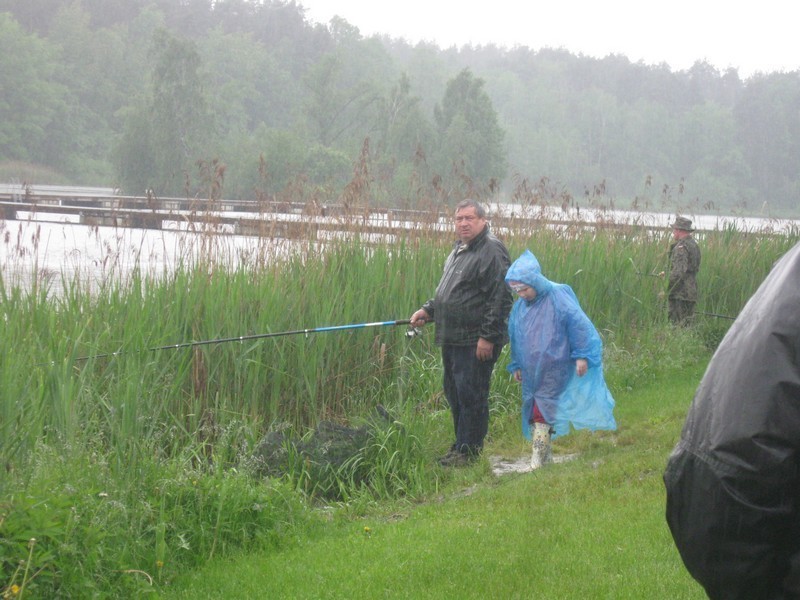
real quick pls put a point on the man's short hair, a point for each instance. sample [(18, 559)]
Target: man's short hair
[(480, 212)]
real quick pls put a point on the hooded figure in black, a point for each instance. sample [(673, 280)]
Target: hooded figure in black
[(733, 492)]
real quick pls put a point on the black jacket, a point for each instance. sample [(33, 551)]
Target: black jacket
[(472, 299), (733, 492)]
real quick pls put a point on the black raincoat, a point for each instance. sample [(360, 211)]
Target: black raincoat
[(472, 300), (733, 493)]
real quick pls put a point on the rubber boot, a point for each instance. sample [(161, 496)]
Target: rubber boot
[(542, 449)]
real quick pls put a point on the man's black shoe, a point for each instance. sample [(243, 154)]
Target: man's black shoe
[(454, 458)]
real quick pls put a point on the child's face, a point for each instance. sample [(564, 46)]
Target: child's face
[(522, 290)]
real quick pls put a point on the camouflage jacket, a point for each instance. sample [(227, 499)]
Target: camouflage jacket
[(684, 257)]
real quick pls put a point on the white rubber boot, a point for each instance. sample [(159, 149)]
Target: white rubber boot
[(542, 450)]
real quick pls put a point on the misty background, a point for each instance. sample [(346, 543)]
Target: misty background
[(248, 99)]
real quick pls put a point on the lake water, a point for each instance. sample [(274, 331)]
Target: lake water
[(44, 252), (33, 248)]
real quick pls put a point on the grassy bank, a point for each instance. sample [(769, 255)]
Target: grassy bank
[(125, 466), (592, 527)]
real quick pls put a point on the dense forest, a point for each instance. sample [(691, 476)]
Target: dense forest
[(249, 99)]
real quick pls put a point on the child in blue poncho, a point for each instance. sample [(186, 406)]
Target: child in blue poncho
[(556, 353)]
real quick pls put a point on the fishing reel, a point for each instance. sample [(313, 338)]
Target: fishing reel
[(413, 332)]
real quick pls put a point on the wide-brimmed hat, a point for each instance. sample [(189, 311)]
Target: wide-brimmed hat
[(683, 224)]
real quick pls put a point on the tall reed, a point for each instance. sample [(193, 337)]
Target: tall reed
[(59, 378)]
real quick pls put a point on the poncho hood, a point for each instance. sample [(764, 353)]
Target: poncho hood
[(526, 269)]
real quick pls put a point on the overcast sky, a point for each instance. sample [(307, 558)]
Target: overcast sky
[(749, 36)]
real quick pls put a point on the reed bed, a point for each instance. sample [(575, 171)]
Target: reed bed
[(96, 405)]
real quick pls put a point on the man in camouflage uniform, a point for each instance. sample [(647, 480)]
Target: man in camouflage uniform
[(684, 257)]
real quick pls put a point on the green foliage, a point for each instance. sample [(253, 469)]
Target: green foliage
[(30, 88), (331, 106), (127, 459), (265, 164), (91, 61), (326, 166), (134, 157), (468, 129), (771, 133), (440, 123), (19, 171), (83, 524), (381, 459), (246, 85), (167, 131), (178, 111)]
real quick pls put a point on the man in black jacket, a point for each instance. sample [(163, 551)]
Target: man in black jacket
[(471, 309), (733, 487)]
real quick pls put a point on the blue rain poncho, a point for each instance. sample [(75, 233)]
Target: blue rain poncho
[(547, 335)]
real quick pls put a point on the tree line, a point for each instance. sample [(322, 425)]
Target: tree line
[(249, 99)]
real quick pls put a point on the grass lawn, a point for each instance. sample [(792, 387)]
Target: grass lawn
[(592, 527)]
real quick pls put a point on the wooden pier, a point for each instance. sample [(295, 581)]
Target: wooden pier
[(236, 217), (103, 207)]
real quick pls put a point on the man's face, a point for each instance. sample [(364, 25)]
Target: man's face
[(679, 234), (468, 224)]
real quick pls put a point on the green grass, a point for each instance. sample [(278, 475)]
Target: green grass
[(590, 528)]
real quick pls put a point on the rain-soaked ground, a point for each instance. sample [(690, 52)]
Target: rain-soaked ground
[(502, 465)]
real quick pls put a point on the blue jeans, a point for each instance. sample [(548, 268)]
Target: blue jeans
[(466, 387)]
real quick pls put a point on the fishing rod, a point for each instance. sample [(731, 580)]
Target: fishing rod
[(659, 275), (640, 274), (412, 332), (708, 314), (662, 274)]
